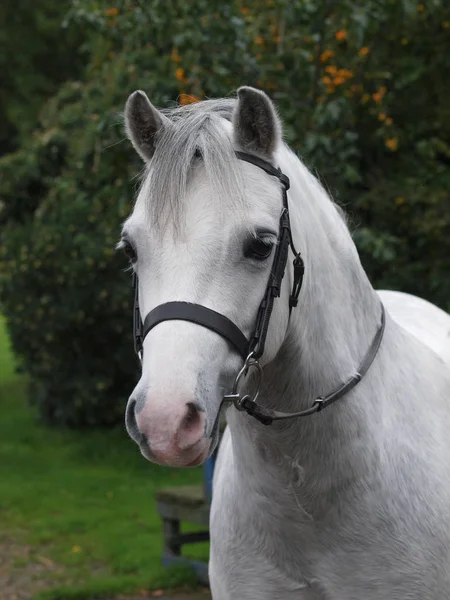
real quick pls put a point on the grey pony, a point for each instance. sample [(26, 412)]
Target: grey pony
[(354, 502)]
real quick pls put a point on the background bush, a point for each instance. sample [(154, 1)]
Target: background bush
[(362, 90), (36, 56)]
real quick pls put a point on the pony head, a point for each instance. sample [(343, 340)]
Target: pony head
[(203, 230)]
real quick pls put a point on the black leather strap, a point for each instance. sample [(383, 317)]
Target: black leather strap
[(325, 401), (265, 166), (137, 321), (196, 313), (279, 264), (266, 415)]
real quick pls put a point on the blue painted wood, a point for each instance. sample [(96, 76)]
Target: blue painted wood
[(208, 473), (200, 568)]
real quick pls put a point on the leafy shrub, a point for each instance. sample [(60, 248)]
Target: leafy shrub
[(363, 98), (31, 69), (65, 293)]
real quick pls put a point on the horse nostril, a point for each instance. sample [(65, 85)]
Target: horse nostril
[(191, 427), (130, 421), (192, 418)]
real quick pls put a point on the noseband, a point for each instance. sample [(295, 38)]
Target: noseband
[(252, 349)]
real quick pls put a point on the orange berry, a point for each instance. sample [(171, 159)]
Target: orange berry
[(175, 56), (346, 73), (326, 55), (392, 144), (188, 99), (179, 74)]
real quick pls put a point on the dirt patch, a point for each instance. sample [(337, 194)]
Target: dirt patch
[(23, 571)]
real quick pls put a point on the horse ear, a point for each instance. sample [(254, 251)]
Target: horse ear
[(257, 127), (142, 124)]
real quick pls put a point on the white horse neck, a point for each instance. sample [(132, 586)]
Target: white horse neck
[(330, 330), (339, 311)]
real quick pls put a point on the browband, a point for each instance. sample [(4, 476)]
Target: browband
[(265, 166)]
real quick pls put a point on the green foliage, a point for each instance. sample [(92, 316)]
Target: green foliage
[(66, 296), (364, 99), (31, 68)]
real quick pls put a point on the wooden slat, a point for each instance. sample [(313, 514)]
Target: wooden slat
[(186, 495), (176, 512)]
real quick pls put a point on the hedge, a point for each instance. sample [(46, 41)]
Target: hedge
[(364, 99)]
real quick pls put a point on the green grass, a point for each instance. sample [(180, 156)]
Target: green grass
[(85, 500)]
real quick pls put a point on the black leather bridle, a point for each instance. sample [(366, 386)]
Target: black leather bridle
[(251, 350)]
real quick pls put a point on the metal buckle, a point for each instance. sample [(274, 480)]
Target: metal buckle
[(235, 396)]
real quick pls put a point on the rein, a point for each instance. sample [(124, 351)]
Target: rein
[(251, 350)]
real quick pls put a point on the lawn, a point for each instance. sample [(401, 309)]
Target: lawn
[(79, 504)]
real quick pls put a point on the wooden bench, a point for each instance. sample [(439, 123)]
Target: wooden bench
[(188, 503)]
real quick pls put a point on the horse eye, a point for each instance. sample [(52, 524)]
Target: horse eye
[(258, 249), (129, 251)]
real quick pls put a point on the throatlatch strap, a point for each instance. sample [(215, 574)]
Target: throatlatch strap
[(267, 415), (195, 313)]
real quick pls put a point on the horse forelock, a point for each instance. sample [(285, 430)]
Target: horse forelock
[(200, 136)]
